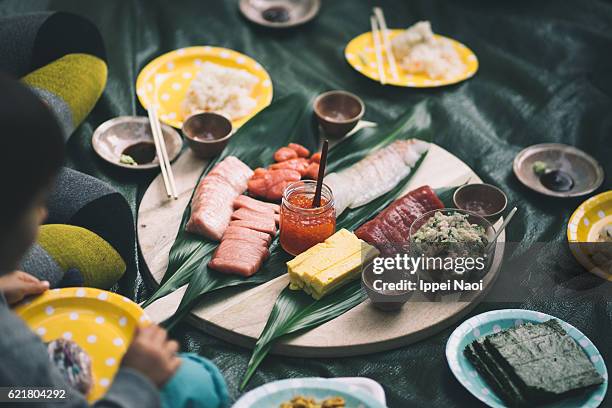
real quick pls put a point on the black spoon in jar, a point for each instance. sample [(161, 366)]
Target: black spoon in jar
[(316, 201)]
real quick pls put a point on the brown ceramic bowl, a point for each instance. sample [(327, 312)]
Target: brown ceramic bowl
[(480, 198), (338, 112), (207, 133), (386, 301)]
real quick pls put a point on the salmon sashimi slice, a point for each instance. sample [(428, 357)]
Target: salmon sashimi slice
[(271, 184), (246, 233), (315, 158), (390, 229), (299, 164), (268, 226), (248, 214), (255, 205), (212, 204), (299, 149), (285, 153)]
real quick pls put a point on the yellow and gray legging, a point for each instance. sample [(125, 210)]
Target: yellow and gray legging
[(61, 56)]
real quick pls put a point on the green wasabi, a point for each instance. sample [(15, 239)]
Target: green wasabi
[(126, 159)]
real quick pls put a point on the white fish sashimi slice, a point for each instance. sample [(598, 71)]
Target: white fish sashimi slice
[(383, 186), (340, 190), (375, 175), (389, 171), (412, 152), (392, 164)]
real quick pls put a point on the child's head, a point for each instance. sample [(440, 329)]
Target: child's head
[(31, 153)]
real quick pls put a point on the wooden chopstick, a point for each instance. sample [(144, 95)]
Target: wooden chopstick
[(382, 24), (164, 152), (377, 48), (162, 164), (164, 161)]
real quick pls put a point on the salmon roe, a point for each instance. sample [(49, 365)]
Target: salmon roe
[(301, 225)]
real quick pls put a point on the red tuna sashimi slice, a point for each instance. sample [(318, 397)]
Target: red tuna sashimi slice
[(234, 267), (242, 232), (238, 249), (211, 207), (268, 226), (246, 263), (255, 205), (248, 239), (394, 221), (248, 214)]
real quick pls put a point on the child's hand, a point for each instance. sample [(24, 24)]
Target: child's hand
[(152, 354), (17, 285)]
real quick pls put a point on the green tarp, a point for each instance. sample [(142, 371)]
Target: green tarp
[(545, 76)]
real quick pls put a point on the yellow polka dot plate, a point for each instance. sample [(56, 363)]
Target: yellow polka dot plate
[(101, 322), (361, 55), (177, 69), (583, 230)]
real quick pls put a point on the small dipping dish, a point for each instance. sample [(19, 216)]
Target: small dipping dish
[(129, 137), (338, 112), (387, 300), (558, 170), (280, 13), (483, 199), (207, 133)]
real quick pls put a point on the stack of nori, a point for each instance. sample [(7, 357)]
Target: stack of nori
[(533, 363)]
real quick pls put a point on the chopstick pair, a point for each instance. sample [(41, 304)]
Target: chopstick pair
[(380, 33), (160, 147)]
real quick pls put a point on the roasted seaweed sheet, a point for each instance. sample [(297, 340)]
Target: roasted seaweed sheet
[(533, 363)]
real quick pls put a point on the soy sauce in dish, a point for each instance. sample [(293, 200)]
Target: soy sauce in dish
[(276, 14), (335, 115), (557, 180), (141, 152), (479, 207), (205, 135)]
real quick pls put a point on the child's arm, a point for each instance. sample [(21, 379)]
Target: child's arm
[(148, 364), (17, 285)]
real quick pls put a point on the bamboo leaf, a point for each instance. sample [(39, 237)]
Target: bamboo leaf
[(296, 311)]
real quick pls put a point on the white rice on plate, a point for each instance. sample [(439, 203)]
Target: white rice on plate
[(419, 52), (223, 90)]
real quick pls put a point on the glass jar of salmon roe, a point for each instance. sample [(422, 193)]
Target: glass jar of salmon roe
[(301, 225)]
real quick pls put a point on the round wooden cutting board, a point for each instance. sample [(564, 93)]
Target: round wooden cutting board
[(238, 315)]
